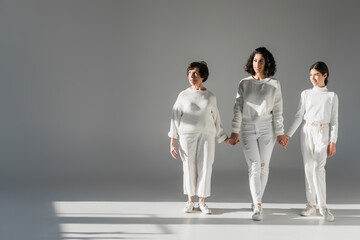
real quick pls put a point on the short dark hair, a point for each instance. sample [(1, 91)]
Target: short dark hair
[(322, 68), (203, 69), (270, 64)]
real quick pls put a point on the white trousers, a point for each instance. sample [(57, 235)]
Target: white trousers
[(197, 153), (314, 143), (258, 142)]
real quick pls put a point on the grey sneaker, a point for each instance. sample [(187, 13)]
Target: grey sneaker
[(257, 213), (308, 211), (204, 208), (189, 206), (328, 216)]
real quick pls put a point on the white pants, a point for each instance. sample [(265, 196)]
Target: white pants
[(197, 152), (314, 143), (258, 142)]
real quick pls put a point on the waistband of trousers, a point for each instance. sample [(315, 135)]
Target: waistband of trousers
[(256, 122), (317, 124)]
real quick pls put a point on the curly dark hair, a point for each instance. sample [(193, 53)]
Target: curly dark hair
[(203, 69), (322, 68), (270, 64)]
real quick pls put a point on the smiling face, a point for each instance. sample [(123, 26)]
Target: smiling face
[(317, 79), (258, 63), (194, 77)]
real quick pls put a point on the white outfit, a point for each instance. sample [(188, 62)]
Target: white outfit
[(196, 122), (319, 108), (258, 114)]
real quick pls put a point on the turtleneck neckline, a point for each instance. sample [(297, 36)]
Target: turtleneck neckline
[(320, 89)]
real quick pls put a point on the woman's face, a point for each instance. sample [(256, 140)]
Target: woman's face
[(194, 77), (259, 63), (316, 78)]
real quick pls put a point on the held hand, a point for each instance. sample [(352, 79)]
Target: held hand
[(173, 150), (228, 141), (331, 150), (287, 138), (283, 140), (234, 138)]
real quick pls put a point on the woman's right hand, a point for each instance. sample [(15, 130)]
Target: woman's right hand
[(235, 138), (173, 150), (283, 140)]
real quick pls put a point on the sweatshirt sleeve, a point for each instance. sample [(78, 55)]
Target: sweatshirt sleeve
[(334, 120), (299, 116), (175, 120), (236, 121), (278, 112), (220, 133)]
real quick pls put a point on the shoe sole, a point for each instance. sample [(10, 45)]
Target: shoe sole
[(204, 212), (308, 215), (328, 220), (188, 211)]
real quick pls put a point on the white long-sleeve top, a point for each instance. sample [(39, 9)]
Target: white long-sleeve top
[(258, 101), (195, 111), (317, 105)]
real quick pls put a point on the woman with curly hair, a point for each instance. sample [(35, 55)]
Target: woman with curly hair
[(258, 117)]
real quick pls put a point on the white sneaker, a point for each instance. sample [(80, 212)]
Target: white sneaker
[(189, 206), (325, 212), (308, 211), (257, 213), (204, 208)]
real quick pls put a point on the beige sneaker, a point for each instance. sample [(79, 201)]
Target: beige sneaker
[(328, 216), (308, 211), (204, 208), (257, 213), (189, 206)]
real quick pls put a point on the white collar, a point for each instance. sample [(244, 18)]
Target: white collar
[(320, 89)]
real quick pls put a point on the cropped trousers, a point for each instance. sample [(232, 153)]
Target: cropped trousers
[(197, 153)]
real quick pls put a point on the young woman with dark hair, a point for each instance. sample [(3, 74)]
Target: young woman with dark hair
[(258, 117), (319, 108)]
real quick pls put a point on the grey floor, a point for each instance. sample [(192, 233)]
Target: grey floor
[(150, 208)]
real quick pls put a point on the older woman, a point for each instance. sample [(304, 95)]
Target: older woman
[(258, 116), (195, 123)]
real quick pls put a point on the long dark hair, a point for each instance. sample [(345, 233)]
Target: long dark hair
[(322, 68), (270, 64)]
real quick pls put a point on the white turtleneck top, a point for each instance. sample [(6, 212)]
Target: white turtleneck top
[(317, 105), (195, 111), (258, 101)]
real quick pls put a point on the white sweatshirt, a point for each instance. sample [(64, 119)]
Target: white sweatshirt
[(258, 101), (320, 106), (195, 111)]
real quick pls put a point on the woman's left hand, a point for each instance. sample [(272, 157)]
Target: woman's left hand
[(331, 150), (283, 140), (229, 141)]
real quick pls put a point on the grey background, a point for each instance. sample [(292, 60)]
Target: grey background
[(87, 87)]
